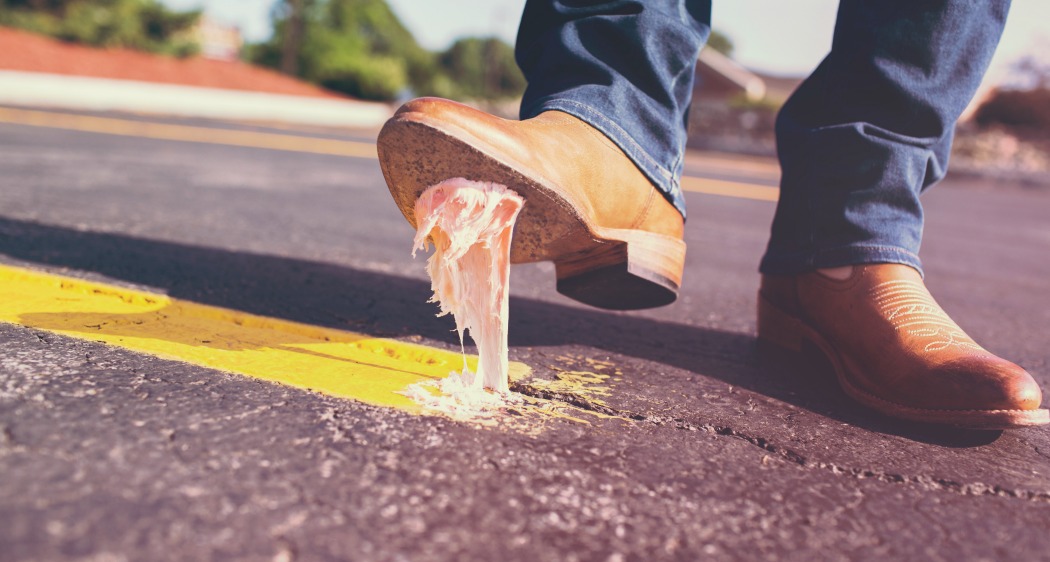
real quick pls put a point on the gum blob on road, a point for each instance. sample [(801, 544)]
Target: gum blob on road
[(470, 225)]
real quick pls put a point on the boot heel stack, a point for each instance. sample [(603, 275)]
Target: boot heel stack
[(778, 328), (627, 270)]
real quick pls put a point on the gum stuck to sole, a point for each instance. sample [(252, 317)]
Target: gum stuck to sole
[(607, 268)]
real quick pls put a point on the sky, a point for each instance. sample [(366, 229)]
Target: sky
[(762, 43)]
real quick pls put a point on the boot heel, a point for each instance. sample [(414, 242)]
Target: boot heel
[(629, 270), (778, 328)]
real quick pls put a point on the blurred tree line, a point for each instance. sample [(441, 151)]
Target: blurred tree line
[(359, 47), (145, 25)]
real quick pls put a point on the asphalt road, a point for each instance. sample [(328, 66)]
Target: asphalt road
[(702, 449)]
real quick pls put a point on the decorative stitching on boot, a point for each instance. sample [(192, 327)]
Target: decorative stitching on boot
[(909, 307)]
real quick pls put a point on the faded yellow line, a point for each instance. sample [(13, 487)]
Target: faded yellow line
[(736, 189), (129, 128), (294, 143), (335, 362), (767, 169)]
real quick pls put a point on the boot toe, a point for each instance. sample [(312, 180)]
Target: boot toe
[(990, 383)]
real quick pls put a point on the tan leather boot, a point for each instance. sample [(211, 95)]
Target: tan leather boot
[(895, 350), (615, 241)]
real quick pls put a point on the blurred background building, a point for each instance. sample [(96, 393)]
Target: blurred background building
[(217, 40)]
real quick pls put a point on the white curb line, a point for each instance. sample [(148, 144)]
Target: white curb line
[(104, 94)]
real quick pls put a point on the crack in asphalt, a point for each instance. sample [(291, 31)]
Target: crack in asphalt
[(924, 481), (573, 400)]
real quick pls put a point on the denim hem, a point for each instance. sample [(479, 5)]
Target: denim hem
[(664, 180), (855, 254)]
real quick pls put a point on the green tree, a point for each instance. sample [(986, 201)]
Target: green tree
[(720, 42), (137, 24), (354, 46), (361, 48), (483, 68)]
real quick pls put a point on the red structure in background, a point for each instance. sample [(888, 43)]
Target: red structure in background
[(28, 52)]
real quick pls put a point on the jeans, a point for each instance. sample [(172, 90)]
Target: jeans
[(858, 141)]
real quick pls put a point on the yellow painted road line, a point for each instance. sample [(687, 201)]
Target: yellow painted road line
[(335, 362), (163, 131), (736, 189), (294, 143), (767, 168)]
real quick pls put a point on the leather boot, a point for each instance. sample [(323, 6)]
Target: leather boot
[(615, 240), (894, 349)]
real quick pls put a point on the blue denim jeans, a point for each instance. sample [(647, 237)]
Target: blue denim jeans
[(858, 141)]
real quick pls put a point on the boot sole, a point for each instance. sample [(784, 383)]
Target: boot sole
[(616, 269), (784, 331)]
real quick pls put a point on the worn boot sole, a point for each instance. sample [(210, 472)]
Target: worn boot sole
[(779, 328), (615, 269)]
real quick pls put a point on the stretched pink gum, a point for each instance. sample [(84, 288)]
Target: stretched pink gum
[(471, 224)]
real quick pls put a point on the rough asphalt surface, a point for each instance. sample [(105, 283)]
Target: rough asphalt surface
[(710, 451)]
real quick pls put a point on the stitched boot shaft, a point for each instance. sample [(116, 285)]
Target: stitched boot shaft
[(892, 344)]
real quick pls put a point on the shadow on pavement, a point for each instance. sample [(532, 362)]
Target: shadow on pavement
[(389, 306)]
